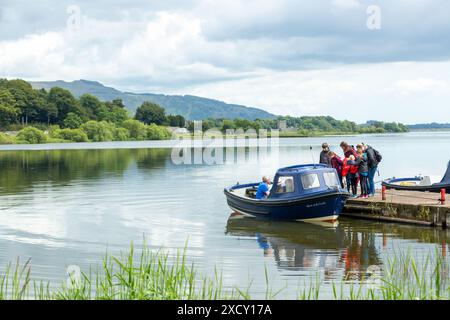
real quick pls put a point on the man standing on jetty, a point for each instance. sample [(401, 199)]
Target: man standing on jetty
[(373, 158), (324, 158)]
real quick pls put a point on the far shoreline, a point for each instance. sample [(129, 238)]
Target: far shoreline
[(164, 144)]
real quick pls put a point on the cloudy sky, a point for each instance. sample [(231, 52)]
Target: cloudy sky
[(288, 57)]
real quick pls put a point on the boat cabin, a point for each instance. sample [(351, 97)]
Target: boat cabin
[(303, 180), (300, 180)]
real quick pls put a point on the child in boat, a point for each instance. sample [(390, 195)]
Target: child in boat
[(363, 172)]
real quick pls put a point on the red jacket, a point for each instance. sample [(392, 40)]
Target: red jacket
[(346, 168), (337, 164)]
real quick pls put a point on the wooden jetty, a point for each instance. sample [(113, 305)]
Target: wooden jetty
[(420, 208)]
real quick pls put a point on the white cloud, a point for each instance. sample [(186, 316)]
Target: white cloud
[(422, 85), (308, 58), (405, 92)]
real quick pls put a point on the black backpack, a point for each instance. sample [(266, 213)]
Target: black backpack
[(378, 155)]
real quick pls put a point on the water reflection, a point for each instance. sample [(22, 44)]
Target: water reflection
[(64, 207), (21, 170), (345, 251)]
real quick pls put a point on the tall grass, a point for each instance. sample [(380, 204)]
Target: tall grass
[(149, 275)]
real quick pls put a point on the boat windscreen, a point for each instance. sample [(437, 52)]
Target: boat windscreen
[(446, 178)]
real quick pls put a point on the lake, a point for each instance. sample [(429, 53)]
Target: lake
[(63, 205)]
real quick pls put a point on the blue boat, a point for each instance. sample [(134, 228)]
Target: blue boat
[(301, 193)]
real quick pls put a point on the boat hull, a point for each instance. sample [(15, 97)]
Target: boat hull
[(324, 207), (402, 184)]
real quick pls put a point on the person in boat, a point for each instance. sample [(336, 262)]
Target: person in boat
[(373, 158), (324, 159), (363, 171), (337, 164), (263, 188)]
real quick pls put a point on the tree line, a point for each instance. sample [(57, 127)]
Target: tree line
[(66, 118), (20, 104), (303, 125)]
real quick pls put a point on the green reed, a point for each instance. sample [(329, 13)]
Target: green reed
[(150, 275)]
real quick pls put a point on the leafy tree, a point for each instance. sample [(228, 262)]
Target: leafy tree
[(74, 135), (155, 132), (32, 135), (176, 121), (73, 121), (121, 134), (24, 96), (93, 106), (116, 115), (150, 112), (6, 139), (8, 115), (8, 111), (65, 103), (98, 131), (137, 130)]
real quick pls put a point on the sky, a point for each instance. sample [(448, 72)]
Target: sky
[(350, 59)]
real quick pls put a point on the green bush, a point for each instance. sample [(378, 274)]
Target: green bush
[(6, 139), (73, 121), (155, 132), (137, 130), (121, 134), (73, 135), (32, 135), (98, 131), (57, 140)]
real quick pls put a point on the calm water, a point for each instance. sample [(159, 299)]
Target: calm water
[(68, 207)]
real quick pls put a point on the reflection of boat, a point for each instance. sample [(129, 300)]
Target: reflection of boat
[(340, 251), (303, 192), (419, 183), (294, 245)]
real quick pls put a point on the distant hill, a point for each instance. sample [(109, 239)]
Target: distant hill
[(429, 126), (191, 107)]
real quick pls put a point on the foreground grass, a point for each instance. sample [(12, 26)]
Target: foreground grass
[(152, 275)]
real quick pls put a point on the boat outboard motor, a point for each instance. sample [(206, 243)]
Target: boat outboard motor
[(446, 178)]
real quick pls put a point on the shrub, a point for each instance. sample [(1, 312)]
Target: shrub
[(56, 140), (6, 139), (73, 121), (121, 134), (74, 135), (137, 130), (98, 131), (32, 135), (155, 132)]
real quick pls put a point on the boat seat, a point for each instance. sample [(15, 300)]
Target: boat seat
[(251, 192), (289, 185)]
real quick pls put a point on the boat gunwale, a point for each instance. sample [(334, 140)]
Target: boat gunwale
[(288, 201)]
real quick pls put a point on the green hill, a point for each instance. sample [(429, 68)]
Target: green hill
[(191, 107)]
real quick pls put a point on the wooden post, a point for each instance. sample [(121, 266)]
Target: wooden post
[(383, 193), (443, 194)]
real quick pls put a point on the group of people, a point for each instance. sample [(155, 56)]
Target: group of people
[(358, 166)]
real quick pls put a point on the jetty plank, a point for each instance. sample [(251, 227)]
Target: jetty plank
[(420, 208)]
